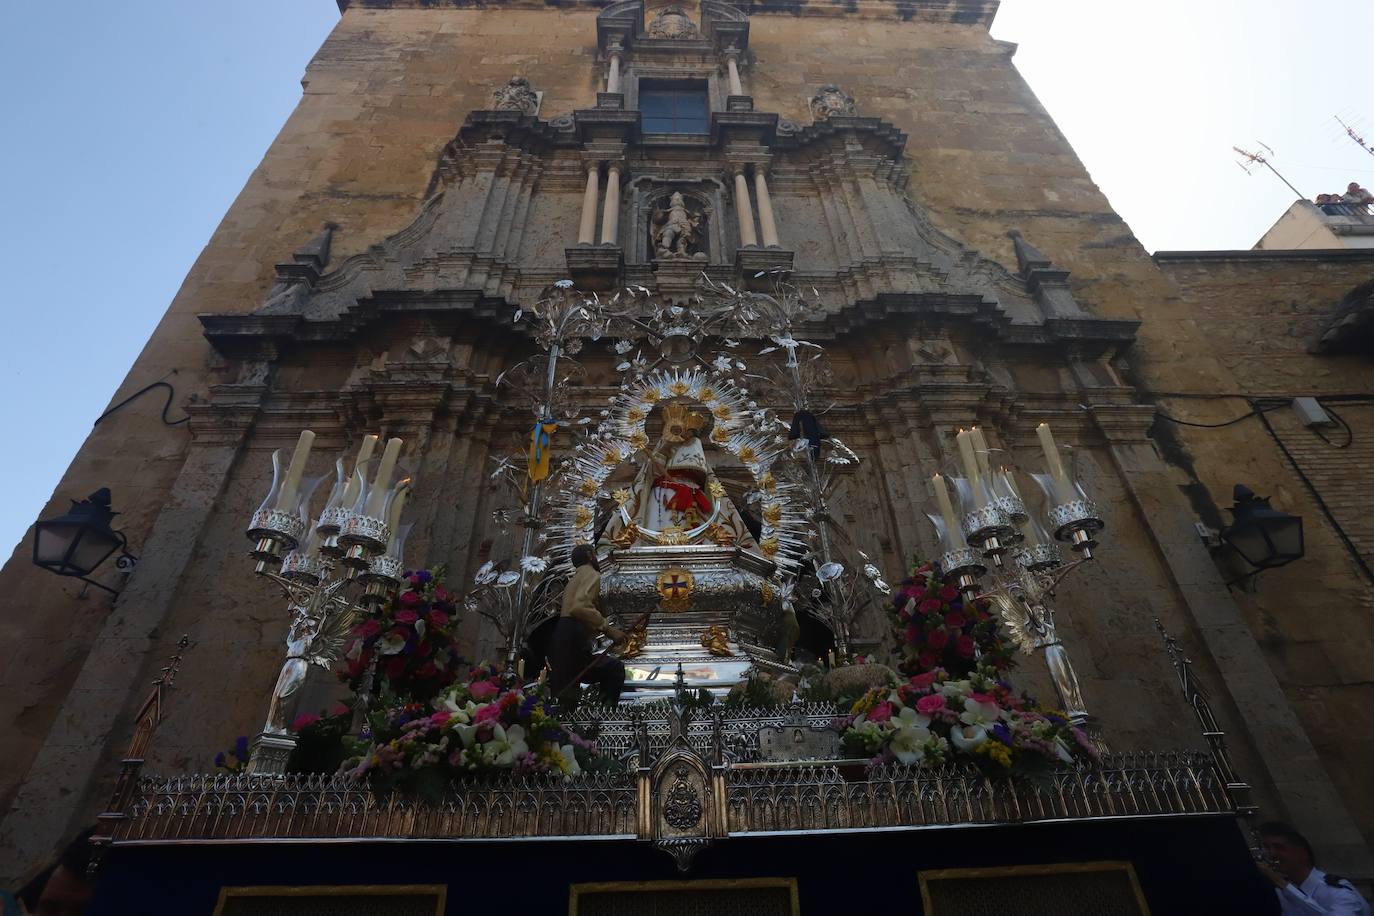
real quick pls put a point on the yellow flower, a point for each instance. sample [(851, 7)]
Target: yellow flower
[(747, 454), (721, 411), (706, 395), (635, 414)]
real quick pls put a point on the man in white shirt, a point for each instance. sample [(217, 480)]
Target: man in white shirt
[(1302, 888)]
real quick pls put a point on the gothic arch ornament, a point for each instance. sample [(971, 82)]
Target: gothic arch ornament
[(624, 433)]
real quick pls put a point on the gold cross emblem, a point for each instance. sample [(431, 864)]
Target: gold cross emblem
[(675, 586)]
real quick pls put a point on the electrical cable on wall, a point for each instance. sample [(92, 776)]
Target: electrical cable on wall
[(167, 405)]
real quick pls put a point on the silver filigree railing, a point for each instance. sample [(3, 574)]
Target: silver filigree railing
[(759, 799)]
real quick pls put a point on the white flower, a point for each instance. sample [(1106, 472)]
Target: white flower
[(466, 734), (534, 565), (910, 734), (829, 571), (390, 644), (419, 628), (955, 690), (506, 746), (624, 346), (984, 714), (721, 363), (485, 574), (461, 715), (570, 755), (507, 579), (968, 737), (564, 284)]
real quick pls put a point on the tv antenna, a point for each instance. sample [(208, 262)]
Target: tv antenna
[(1261, 159), (1350, 132)]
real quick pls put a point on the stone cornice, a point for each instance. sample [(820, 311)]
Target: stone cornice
[(964, 12), (1253, 255)]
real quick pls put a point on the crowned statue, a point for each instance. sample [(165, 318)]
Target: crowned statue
[(676, 498)]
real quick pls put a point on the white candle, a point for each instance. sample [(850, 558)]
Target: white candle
[(520, 670), (286, 499), (980, 450), (1052, 462), (965, 441), (393, 517), (381, 484), (350, 493), (952, 529)]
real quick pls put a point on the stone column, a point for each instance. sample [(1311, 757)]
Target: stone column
[(732, 68), (744, 211), (610, 214), (613, 73), (766, 224), (586, 232)]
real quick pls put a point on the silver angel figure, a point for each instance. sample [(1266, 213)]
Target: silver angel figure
[(320, 623)]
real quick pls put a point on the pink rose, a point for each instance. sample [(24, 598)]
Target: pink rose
[(396, 667), (340, 709), (369, 629), (949, 593), (304, 720), (955, 621), (913, 633), (923, 681), (880, 713), (442, 594), (930, 606), (483, 690), (487, 714), (410, 599), (406, 616), (982, 698), (441, 717), (930, 704), (937, 638), (964, 646), (926, 659), (438, 618)]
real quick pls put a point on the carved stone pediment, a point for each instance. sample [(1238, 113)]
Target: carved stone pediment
[(516, 95), (832, 101), (672, 22)]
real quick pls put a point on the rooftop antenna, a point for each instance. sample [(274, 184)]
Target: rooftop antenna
[(1261, 159), (1350, 132)]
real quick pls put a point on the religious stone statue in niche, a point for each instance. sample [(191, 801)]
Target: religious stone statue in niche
[(516, 95), (672, 22), (832, 101), (676, 231)]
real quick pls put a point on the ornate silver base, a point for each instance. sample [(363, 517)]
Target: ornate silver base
[(269, 754)]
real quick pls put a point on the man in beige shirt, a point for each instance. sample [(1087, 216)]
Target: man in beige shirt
[(570, 648)]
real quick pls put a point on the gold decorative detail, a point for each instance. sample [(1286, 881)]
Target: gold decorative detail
[(706, 394), (583, 517), (715, 489), (678, 388), (747, 454), (611, 458), (721, 411), (766, 593), (672, 536), (720, 435), (639, 440), (635, 638), (719, 535), (635, 414), (621, 496), (768, 546), (651, 395), (716, 640), (675, 586), (772, 513), (625, 538), (768, 483), (589, 487), (679, 422)]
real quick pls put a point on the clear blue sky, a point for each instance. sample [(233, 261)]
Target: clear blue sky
[(130, 127)]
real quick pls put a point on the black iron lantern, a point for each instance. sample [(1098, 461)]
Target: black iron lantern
[(78, 542), (1264, 537)]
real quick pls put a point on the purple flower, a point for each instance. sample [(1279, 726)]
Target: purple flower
[(1003, 733), (424, 575), (241, 747), (219, 759)]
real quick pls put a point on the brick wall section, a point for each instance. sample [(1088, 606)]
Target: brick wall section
[(1261, 314)]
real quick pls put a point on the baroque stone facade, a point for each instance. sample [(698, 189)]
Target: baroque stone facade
[(972, 274)]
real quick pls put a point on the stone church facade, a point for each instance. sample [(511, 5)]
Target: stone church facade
[(446, 163)]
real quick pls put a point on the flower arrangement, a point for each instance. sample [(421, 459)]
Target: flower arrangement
[(235, 759), (480, 726), (935, 717), (936, 629), (410, 639)]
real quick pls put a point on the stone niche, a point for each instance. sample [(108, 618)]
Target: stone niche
[(657, 231)]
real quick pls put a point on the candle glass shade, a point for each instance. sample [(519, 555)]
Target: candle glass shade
[(959, 563), (1007, 498), (272, 530), (349, 494), (386, 569)]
